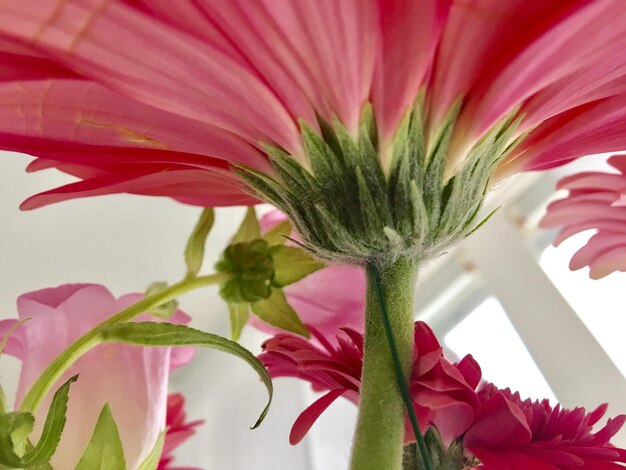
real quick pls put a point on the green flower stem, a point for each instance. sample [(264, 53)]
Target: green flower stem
[(90, 339), (379, 437)]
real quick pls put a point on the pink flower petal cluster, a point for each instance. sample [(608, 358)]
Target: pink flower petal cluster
[(178, 431), (132, 380), (156, 97), (443, 393), (596, 200), (516, 434)]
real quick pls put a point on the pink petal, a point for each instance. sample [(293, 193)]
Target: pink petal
[(149, 60), (502, 423), (14, 345), (308, 417), (197, 187), (412, 27)]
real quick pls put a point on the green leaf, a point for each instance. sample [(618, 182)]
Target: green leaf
[(165, 310), (52, 428), (194, 251), (239, 313), (104, 451), (277, 312), (292, 264), (15, 428), (151, 462), (249, 229), (278, 234), (169, 334)]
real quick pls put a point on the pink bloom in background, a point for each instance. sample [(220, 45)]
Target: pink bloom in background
[(133, 380), (443, 393), (516, 434), (159, 97), (178, 431), (595, 201), (322, 297)]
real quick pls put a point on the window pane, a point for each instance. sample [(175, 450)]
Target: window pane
[(489, 336)]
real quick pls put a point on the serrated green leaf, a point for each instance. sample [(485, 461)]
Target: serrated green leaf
[(249, 229), (278, 234), (165, 310), (52, 428), (194, 251), (292, 264), (151, 462), (104, 451), (169, 334), (15, 427), (277, 312), (239, 313)]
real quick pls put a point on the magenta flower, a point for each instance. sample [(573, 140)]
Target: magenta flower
[(178, 430), (443, 393), (132, 380), (595, 201), (516, 434), (151, 98)]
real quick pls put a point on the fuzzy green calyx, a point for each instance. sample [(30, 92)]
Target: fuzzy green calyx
[(252, 267), (348, 208)]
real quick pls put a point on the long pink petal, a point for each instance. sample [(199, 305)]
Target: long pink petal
[(308, 417), (149, 61), (80, 112), (197, 187), (410, 32)]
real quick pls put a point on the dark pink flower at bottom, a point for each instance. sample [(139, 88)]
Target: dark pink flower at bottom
[(178, 431), (443, 393), (516, 434)]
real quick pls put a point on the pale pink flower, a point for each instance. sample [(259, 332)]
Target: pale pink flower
[(594, 202), (178, 430), (159, 97), (516, 434), (132, 380), (443, 393)]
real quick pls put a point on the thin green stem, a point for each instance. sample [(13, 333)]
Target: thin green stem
[(82, 345), (379, 436), (397, 365)]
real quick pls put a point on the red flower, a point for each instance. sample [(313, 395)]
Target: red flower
[(596, 200), (443, 393), (178, 431), (516, 434)]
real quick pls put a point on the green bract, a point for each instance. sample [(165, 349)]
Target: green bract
[(261, 265), (253, 269), (350, 208)]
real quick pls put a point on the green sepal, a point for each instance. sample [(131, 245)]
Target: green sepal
[(252, 267), (277, 312), (194, 251), (249, 229), (15, 427), (163, 311), (292, 264), (151, 462), (278, 234), (442, 458), (169, 334), (239, 313), (104, 451)]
